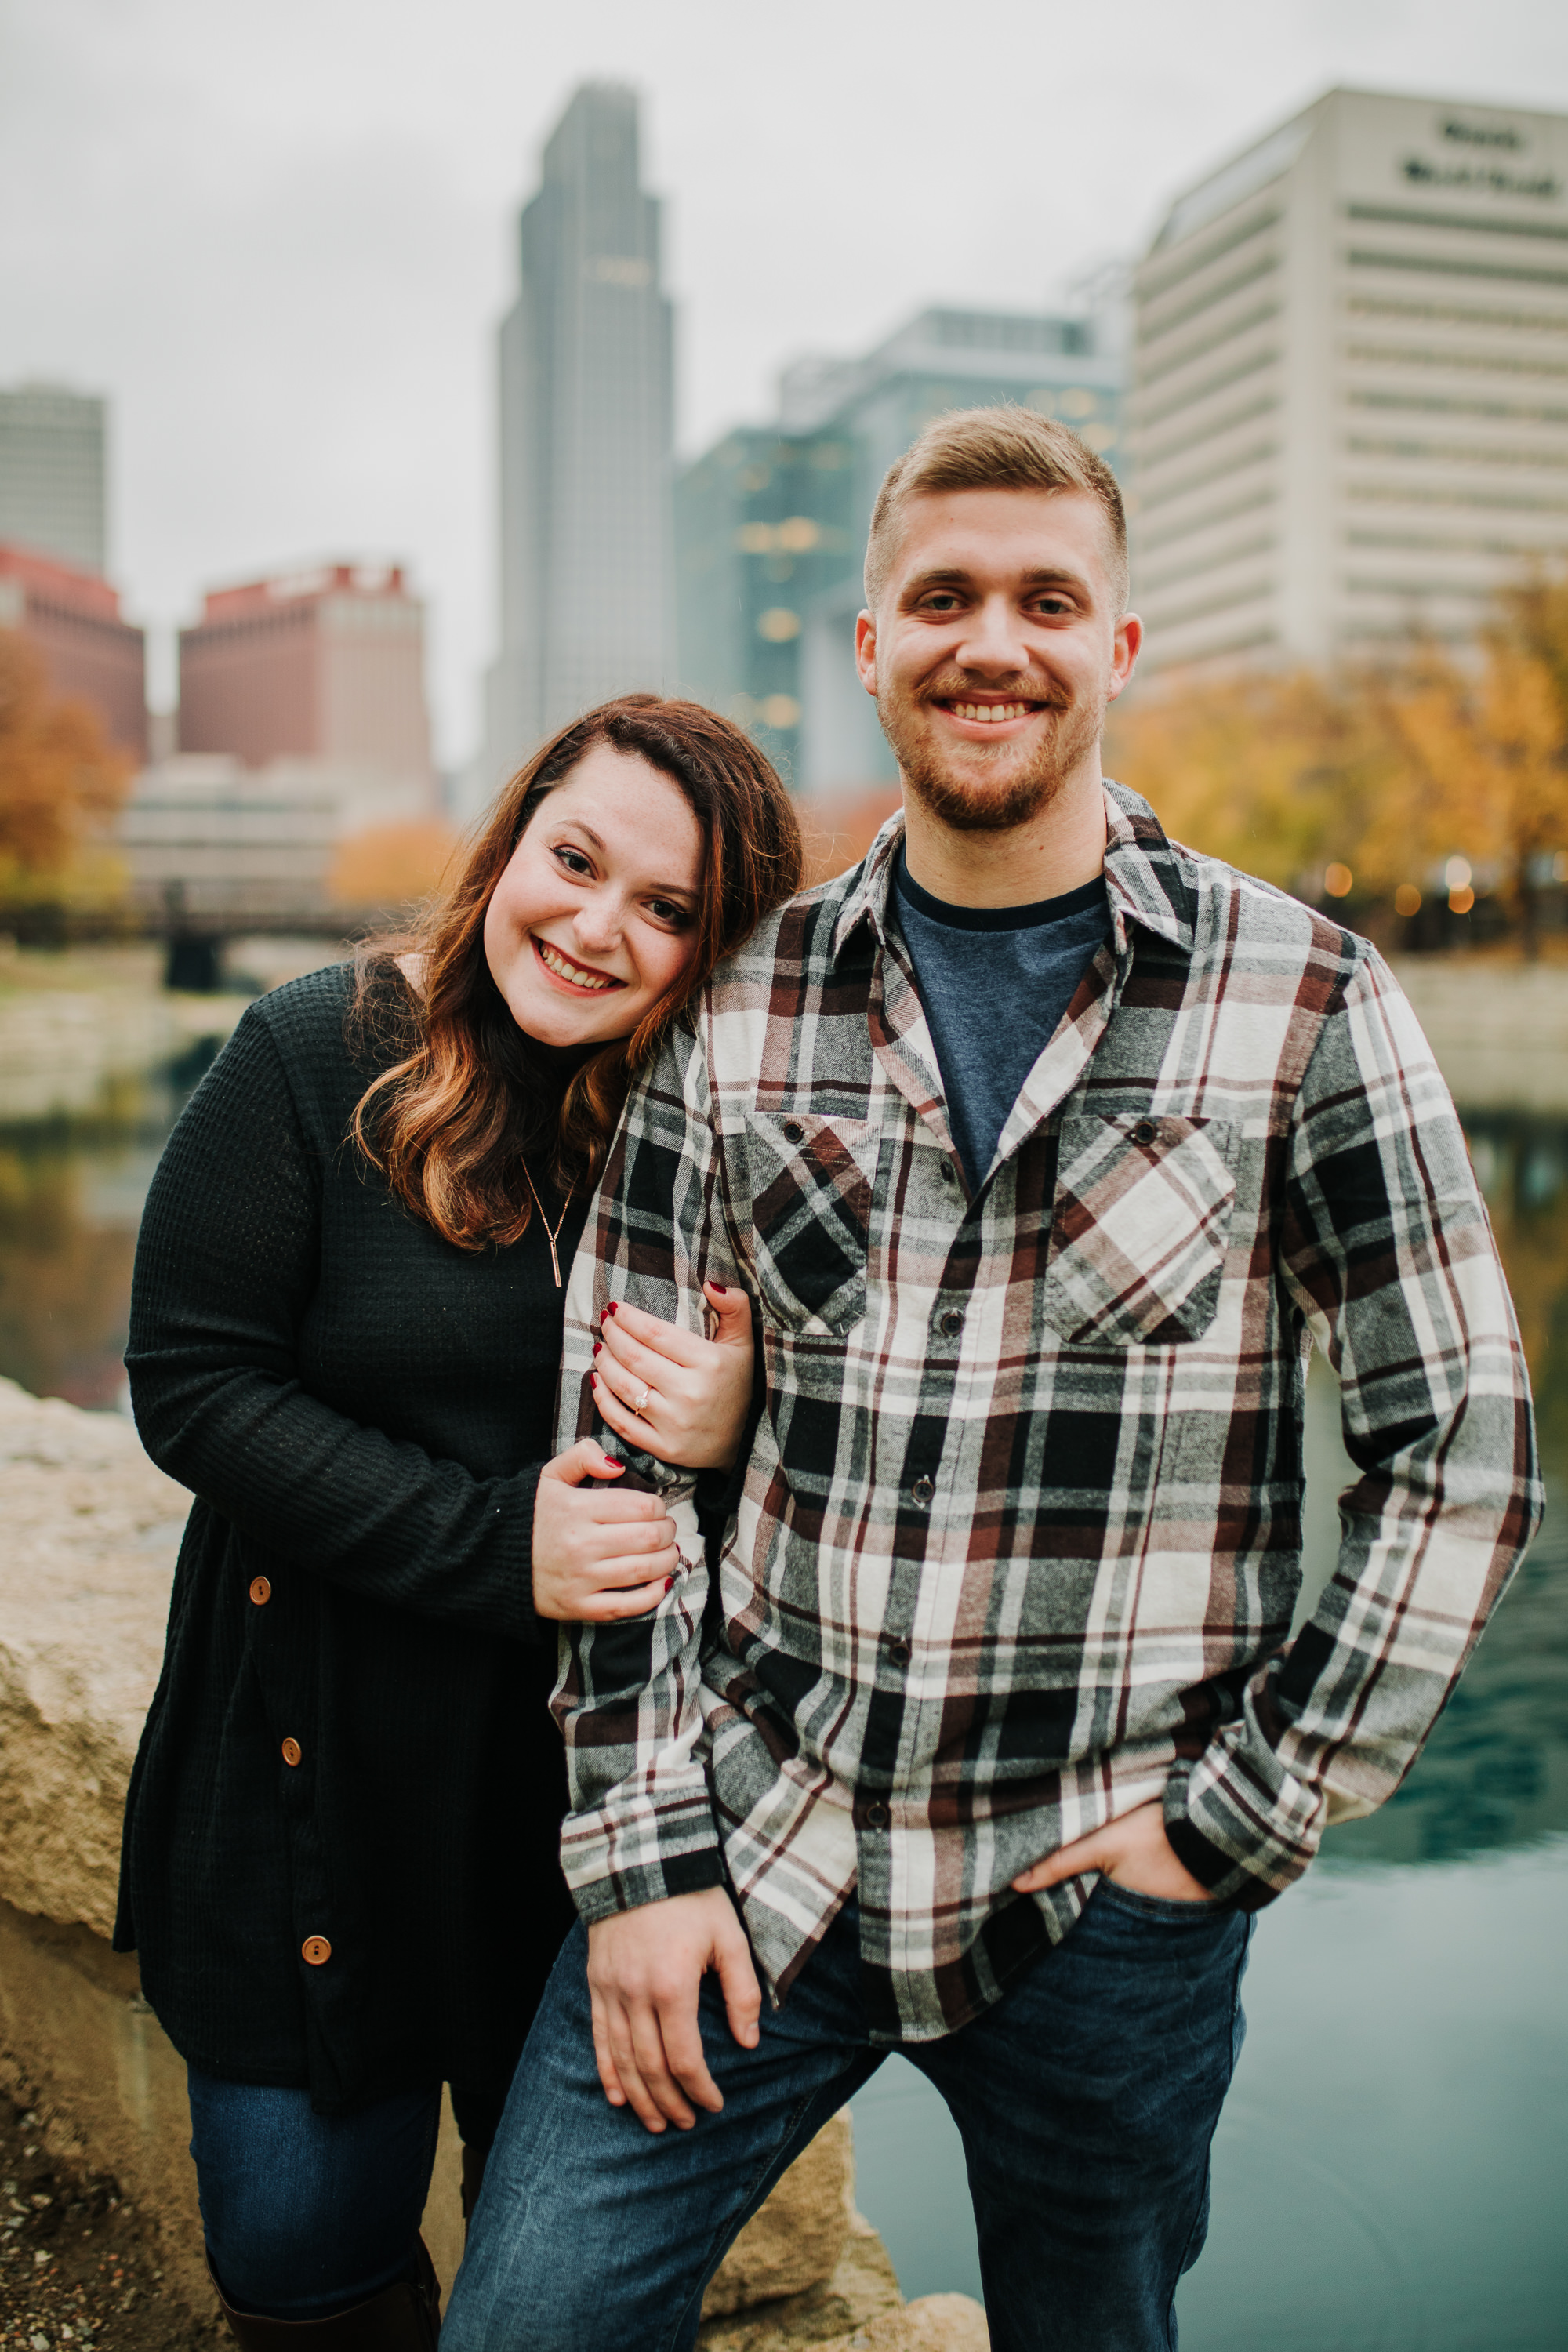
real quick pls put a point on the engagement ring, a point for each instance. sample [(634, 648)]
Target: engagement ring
[(641, 1400)]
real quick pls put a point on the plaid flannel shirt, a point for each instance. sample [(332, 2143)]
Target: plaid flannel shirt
[(1019, 1544)]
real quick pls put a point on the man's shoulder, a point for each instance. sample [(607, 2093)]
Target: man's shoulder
[(1226, 917)]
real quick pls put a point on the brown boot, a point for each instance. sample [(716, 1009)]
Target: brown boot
[(473, 2179), (403, 2317)]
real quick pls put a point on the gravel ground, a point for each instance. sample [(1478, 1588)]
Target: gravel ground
[(78, 2266)]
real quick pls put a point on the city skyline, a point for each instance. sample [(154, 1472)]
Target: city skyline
[(349, 232)]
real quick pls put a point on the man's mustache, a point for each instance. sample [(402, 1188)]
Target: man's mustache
[(957, 686)]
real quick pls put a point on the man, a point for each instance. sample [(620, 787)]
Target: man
[(1044, 1148)]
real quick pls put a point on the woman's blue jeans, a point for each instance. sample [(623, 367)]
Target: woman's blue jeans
[(1087, 2097), (308, 2214)]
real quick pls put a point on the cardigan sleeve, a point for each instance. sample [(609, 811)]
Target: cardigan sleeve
[(227, 1264)]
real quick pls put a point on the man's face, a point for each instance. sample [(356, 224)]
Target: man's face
[(995, 649)]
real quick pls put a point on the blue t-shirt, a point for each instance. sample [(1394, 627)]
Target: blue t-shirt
[(994, 982)]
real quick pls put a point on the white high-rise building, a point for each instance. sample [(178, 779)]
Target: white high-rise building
[(587, 426), (52, 486), (1349, 414)]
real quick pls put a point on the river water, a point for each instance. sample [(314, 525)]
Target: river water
[(1389, 2172)]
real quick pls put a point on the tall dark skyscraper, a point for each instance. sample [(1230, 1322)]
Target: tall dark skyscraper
[(586, 400)]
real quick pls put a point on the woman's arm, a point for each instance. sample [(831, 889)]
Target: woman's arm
[(226, 1264)]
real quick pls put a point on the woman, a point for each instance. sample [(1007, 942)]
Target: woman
[(339, 1863)]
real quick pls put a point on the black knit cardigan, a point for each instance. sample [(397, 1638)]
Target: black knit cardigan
[(340, 1862)]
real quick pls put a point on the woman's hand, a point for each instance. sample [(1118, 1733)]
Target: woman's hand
[(682, 1399), (598, 1555)]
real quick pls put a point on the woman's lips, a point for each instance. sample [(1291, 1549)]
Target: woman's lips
[(580, 978)]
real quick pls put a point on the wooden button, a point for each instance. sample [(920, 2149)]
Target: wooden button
[(261, 1592), (291, 1751), (316, 1950)]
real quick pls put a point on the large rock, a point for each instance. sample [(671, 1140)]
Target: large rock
[(936, 2323), (796, 2241), (90, 1533)]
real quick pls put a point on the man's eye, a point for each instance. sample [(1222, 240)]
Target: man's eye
[(1050, 606), (572, 860)]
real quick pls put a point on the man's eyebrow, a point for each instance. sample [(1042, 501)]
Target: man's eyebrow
[(954, 575)]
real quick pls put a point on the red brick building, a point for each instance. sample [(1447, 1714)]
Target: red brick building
[(92, 655), (325, 665)]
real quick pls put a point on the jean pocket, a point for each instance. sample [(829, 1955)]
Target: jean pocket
[(810, 1214), (1160, 1908), (1138, 1229)]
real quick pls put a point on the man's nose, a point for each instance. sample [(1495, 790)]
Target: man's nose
[(993, 642)]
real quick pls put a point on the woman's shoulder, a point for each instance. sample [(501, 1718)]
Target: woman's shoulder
[(309, 1015)]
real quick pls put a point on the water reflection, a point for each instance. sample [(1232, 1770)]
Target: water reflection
[(72, 1190)]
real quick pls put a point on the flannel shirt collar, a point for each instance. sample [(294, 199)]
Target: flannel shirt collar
[(1144, 878)]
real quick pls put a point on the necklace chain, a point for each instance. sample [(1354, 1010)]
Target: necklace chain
[(551, 1238)]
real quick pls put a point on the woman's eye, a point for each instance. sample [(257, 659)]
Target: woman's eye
[(574, 860), (665, 911)]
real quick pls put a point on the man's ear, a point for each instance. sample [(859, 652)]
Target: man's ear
[(865, 650), (1129, 637)]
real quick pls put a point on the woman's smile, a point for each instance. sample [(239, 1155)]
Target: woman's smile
[(581, 979)]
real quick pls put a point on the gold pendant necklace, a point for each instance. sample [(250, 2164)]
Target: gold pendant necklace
[(551, 1238)]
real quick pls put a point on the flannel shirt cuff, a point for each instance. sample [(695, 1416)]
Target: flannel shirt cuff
[(640, 1848), (1243, 1840)]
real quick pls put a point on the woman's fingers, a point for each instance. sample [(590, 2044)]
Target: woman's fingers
[(733, 1308), (631, 1600), (584, 1460), (625, 1327)]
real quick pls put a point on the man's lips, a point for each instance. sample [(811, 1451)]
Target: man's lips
[(577, 979), (987, 715)]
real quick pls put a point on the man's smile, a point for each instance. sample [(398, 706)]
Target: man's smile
[(988, 713)]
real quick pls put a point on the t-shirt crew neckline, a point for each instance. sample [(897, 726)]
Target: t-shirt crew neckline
[(996, 919)]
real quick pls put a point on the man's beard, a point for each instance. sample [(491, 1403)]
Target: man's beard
[(1022, 785)]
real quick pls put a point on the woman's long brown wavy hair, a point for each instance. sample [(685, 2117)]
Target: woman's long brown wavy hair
[(470, 1099)]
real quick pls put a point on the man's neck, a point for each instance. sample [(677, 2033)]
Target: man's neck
[(1057, 849)]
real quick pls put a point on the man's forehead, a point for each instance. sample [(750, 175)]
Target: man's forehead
[(1017, 532)]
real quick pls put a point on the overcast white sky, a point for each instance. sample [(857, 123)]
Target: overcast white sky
[(280, 236)]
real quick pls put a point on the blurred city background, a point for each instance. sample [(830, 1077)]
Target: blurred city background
[(271, 634)]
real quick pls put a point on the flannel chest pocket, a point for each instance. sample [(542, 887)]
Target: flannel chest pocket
[(1138, 1229), (810, 1214)]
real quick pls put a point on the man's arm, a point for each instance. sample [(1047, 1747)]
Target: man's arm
[(640, 1846), (1385, 1246)]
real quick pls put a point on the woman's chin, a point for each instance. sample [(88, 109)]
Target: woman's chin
[(564, 1027)]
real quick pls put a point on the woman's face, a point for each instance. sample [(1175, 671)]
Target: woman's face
[(595, 918)]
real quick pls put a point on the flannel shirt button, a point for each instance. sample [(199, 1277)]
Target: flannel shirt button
[(793, 1129), (1145, 1131), (949, 1172), (260, 1590), (878, 1816), (952, 1323), (899, 1652), (922, 1490)]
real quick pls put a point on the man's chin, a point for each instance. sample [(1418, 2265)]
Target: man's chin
[(983, 794)]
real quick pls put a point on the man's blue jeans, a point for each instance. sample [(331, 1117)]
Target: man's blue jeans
[(305, 2214), (1087, 2098)]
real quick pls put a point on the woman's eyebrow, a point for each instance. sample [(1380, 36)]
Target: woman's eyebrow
[(576, 824)]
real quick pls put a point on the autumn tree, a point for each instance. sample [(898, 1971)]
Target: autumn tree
[(60, 783), (1382, 772)]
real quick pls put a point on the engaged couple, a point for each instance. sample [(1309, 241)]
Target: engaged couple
[(842, 1357)]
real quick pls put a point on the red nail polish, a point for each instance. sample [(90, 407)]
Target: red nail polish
[(603, 1312), (668, 1583), (596, 1346), (611, 1307), (722, 1287)]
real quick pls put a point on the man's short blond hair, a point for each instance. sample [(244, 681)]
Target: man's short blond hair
[(1001, 448)]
